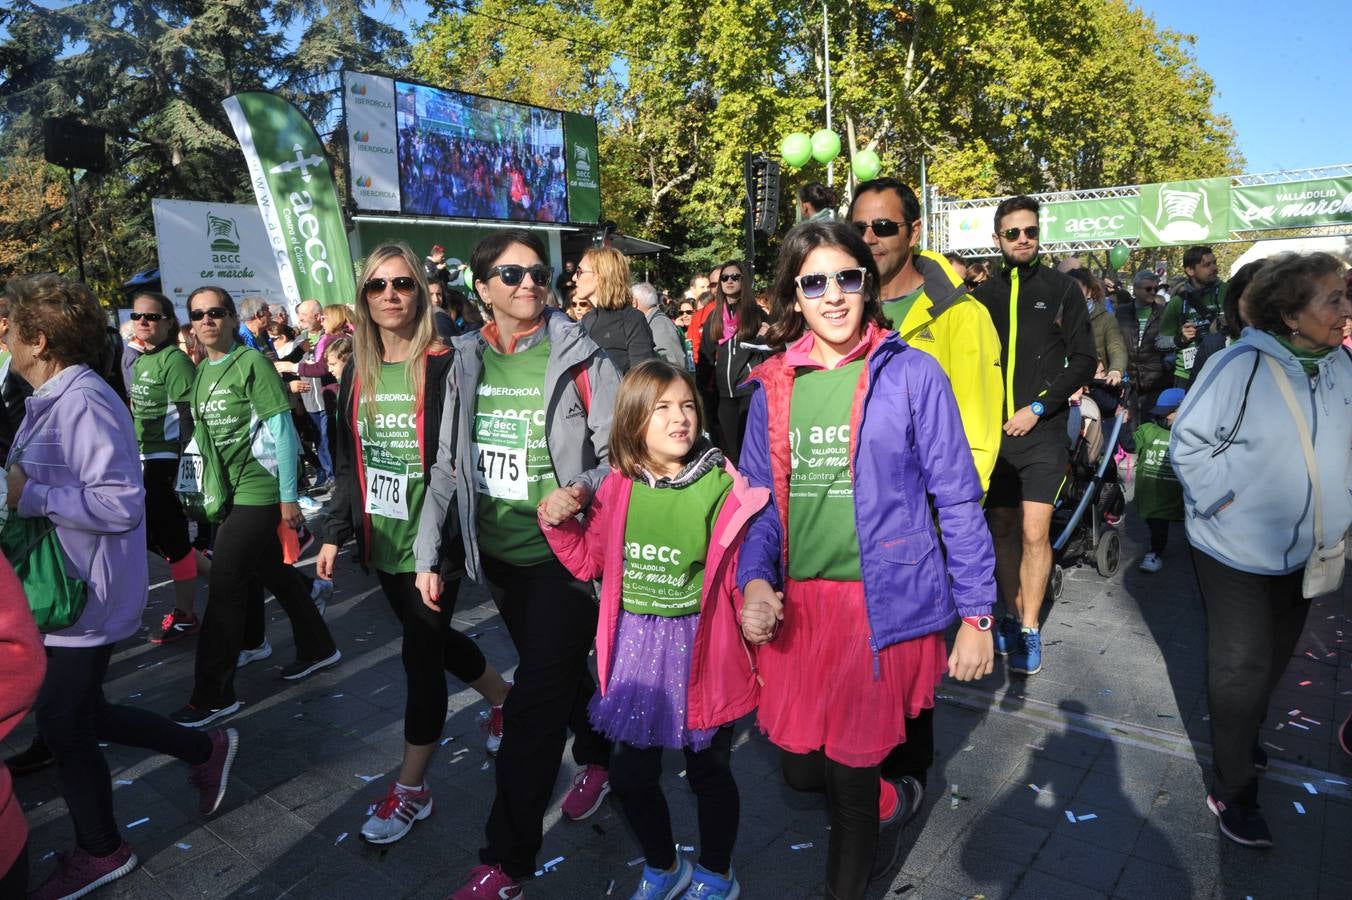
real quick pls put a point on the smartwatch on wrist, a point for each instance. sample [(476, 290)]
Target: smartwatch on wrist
[(980, 623), (1037, 408)]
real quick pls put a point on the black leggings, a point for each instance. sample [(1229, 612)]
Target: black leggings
[(247, 559), (732, 412), (634, 774), (14, 883), (1159, 535), (551, 617), (852, 800), (73, 716), (166, 526), (430, 649)]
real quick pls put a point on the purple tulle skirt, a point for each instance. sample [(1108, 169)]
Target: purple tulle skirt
[(645, 702)]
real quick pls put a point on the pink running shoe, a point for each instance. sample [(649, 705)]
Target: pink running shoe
[(589, 791), (77, 873), (493, 726), (212, 776), (488, 883)]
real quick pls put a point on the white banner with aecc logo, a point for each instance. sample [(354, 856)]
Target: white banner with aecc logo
[(221, 244)]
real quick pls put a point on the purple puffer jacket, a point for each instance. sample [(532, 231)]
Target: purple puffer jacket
[(78, 449), (906, 442)]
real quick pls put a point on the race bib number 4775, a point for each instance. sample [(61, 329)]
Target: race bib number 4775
[(500, 456)]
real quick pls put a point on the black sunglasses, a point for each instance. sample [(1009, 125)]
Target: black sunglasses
[(881, 227), (403, 284), (1012, 234), (685, 312), (149, 317), (214, 312), (731, 276), (813, 285), (512, 275)]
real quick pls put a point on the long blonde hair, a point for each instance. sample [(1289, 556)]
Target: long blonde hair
[(612, 277), (369, 349)]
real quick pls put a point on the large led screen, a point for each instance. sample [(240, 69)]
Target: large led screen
[(465, 156)]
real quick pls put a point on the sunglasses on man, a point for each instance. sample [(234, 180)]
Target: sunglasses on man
[(1012, 234), (813, 285), (882, 228)]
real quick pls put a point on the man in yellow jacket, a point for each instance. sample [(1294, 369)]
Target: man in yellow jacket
[(929, 305)]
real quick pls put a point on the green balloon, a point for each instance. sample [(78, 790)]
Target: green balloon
[(469, 277), (825, 145), (1117, 256), (866, 165), (796, 149)]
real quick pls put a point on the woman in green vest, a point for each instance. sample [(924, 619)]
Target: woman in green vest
[(526, 425), (248, 447), (389, 414)]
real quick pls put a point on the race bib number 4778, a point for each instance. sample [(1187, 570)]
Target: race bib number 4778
[(500, 456)]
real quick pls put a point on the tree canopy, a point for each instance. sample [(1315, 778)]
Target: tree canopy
[(1040, 95)]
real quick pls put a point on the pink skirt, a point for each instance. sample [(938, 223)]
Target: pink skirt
[(820, 688)]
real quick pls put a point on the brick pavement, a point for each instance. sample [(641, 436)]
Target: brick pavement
[(1112, 734)]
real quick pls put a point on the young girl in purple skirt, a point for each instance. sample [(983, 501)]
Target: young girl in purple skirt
[(663, 535)]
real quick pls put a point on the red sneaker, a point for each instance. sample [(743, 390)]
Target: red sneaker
[(212, 776), (493, 726), (174, 626), (488, 883), (77, 873), (589, 791)]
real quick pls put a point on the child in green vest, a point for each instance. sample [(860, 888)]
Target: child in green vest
[(663, 533), (1159, 496)]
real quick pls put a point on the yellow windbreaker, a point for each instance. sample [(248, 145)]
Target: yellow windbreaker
[(952, 326)]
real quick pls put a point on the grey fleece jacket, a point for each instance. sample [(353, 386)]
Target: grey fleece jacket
[(576, 432)]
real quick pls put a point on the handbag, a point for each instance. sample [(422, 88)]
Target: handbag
[(1324, 568), (201, 486), (33, 548)]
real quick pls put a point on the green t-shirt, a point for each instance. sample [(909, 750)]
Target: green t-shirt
[(823, 541), (1143, 314), (392, 464), (159, 382), (1158, 493), (897, 310), (513, 469), (666, 543), (232, 398)]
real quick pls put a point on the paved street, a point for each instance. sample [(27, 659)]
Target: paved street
[(1083, 781)]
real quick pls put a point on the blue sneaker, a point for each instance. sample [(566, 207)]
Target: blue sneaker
[(1028, 659), (1006, 635), (708, 886), (657, 885)]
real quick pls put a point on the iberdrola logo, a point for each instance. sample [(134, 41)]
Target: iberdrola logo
[(361, 137), (364, 181), (359, 88)]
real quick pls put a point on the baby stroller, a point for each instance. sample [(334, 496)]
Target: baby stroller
[(1088, 510)]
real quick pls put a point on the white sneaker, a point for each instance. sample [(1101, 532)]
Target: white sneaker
[(1151, 563), (395, 814), (262, 651)]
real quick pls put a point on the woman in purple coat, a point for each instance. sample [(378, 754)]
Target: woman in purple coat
[(75, 462)]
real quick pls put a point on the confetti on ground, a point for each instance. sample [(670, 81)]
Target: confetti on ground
[(1293, 713), (485, 767), (969, 748), (366, 778), (183, 846), (635, 861), (1336, 781), (549, 866), (1309, 787), (685, 848), (462, 750), (342, 837), (1034, 747), (1036, 789), (610, 888), (1086, 817), (133, 696), (1306, 683), (1163, 716), (1311, 721), (383, 687), (680, 774), (1300, 726), (806, 845), (447, 741), (50, 854), (138, 822), (1071, 816), (1274, 746), (1299, 808), (903, 889), (122, 781)]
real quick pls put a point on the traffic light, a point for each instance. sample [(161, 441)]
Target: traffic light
[(762, 191)]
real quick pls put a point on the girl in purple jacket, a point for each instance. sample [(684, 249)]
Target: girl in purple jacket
[(662, 533), (848, 590)]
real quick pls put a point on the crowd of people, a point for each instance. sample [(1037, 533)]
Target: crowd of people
[(447, 175), (789, 511)]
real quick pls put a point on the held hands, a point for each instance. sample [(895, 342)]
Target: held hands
[(973, 654), (1022, 422), (563, 503), (762, 611), (300, 387), (16, 479), (1114, 378), (1188, 332), (429, 585), (328, 555)]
